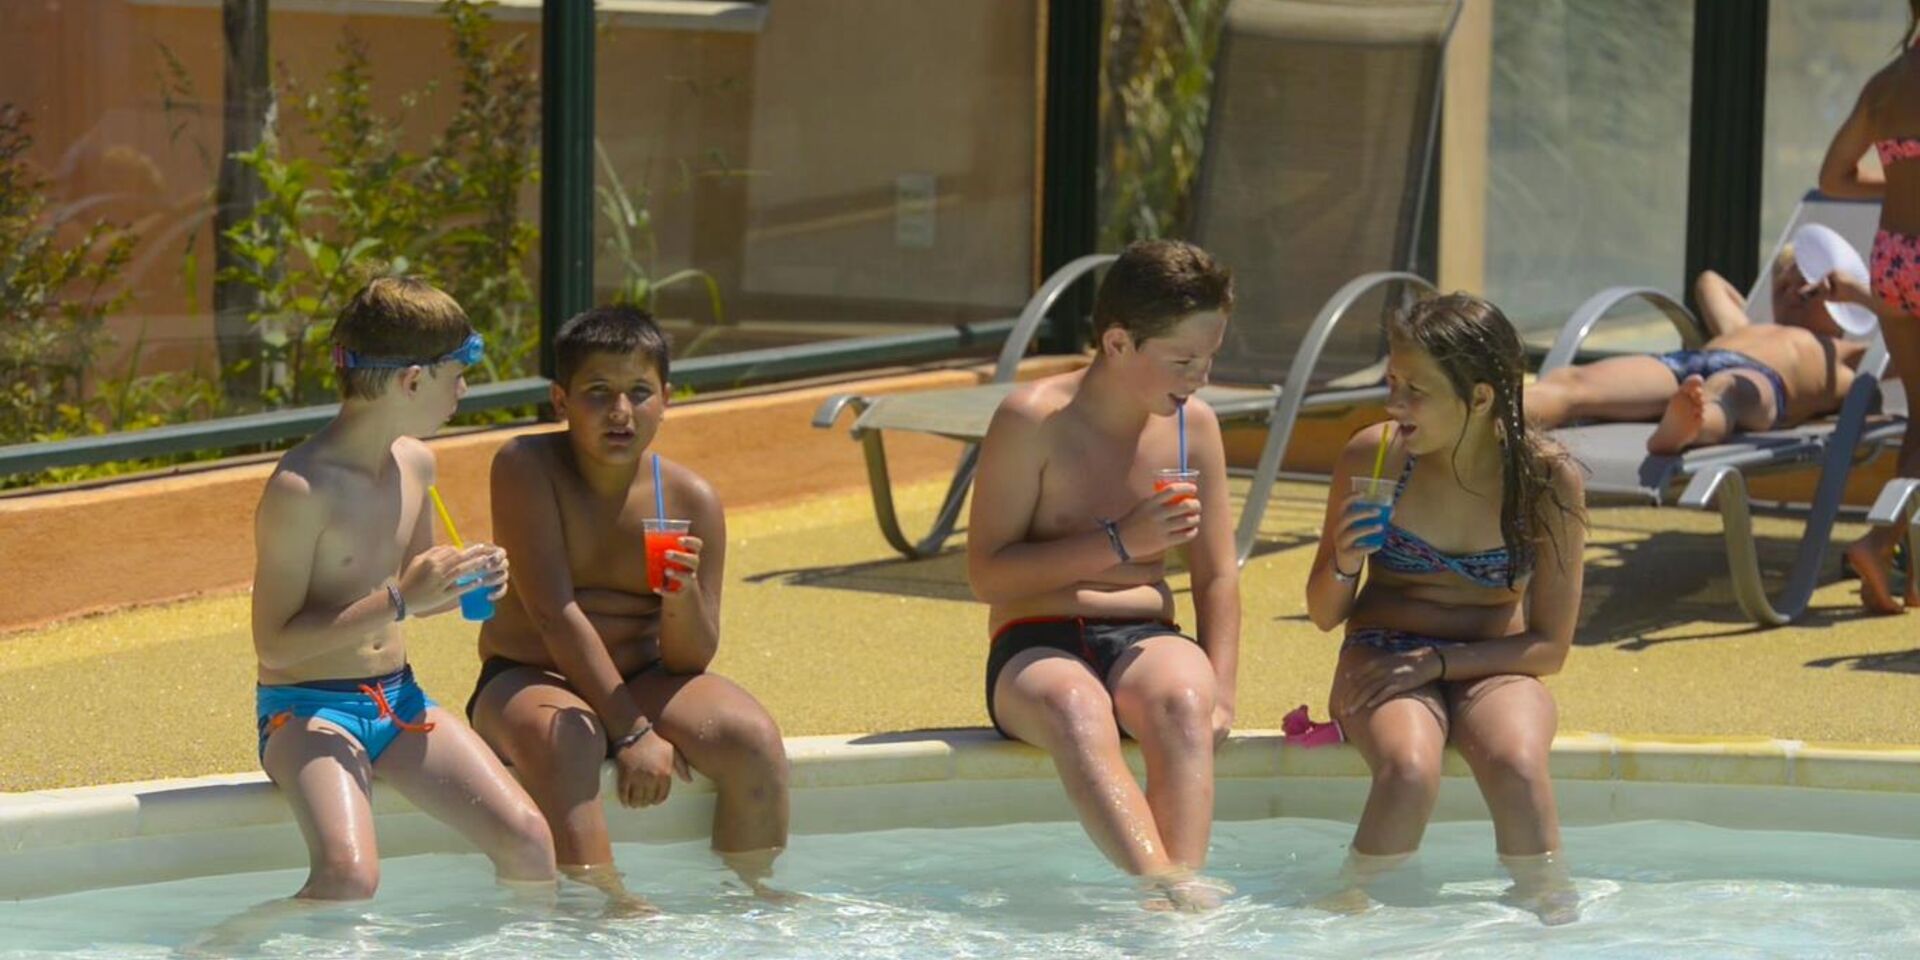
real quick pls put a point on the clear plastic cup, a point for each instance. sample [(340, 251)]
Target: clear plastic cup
[(1167, 477), (662, 536), (1375, 494)]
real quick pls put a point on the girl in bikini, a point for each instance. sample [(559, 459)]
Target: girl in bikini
[(1471, 593), (1886, 120)]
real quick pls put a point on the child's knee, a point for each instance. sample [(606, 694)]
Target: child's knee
[(1076, 715), (571, 737), (1409, 772), (751, 743), (1520, 767), (528, 843), (1181, 710)]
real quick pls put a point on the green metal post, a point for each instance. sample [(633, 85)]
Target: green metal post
[(566, 166), (1727, 142), (1069, 224)]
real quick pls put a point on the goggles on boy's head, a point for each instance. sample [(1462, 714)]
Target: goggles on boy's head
[(467, 353)]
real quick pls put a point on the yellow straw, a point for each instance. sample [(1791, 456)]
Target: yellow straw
[(447, 518), (1379, 458)]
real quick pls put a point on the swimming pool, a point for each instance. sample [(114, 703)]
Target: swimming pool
[(1649, 889), (959, 845)]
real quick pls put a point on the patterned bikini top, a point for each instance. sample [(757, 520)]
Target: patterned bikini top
[(1406, 552), (1899, 148)]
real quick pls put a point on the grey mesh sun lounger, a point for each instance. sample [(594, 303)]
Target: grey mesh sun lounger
[(1704, 478), (1318, 213)]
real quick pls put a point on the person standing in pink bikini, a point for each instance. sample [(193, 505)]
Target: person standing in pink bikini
[(1886, 120)]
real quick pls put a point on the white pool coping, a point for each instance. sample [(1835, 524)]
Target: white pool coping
[(61, 841)]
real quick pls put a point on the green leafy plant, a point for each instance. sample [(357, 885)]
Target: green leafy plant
[(450, 214), (1153, 108), (58, 284), (630, 238)]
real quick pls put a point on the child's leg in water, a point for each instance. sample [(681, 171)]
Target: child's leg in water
[(1504, 726), (1055, 701), (1402, 740)]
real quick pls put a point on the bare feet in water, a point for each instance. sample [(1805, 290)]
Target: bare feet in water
[(1542, 886), (1876, 578), (1685, 417), (1186, 892)]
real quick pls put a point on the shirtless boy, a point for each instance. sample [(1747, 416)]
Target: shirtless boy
[(1748, 377), (345, 552), (1067, 544), (584, 662)]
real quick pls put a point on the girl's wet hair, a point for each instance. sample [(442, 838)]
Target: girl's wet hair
[(1472, 342)]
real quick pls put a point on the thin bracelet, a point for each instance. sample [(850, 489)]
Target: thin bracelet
[(633, 737), (397, 601), (1113, 538), (1443, 661)]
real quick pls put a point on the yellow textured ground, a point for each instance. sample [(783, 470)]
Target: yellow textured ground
[(836, 634)]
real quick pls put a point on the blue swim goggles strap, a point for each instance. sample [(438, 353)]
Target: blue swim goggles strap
[(467, 353)]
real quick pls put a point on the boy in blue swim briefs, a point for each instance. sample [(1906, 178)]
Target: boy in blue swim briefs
[(345, 553)]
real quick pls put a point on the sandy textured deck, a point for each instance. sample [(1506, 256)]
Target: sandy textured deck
[(836, 634)]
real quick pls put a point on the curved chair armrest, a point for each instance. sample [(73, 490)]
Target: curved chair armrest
[(1015, 349), (829, 411), (1693, 333), (1293, 394)]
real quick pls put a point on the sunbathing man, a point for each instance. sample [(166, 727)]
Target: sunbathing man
[(1749, 376), (585, 662), (1068, 541)]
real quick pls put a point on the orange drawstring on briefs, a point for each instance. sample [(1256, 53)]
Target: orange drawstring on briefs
[(386, 710)]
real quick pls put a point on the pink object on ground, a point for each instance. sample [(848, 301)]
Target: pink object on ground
[(1302, 731)]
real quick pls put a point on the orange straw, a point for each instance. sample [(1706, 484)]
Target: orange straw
[(1379, 456), (447, 518)]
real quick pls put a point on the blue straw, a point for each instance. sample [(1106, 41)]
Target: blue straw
[(659, 492), (1183, 436)]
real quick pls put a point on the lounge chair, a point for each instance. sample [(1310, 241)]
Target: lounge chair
[(1622, 471), (1318, 158)]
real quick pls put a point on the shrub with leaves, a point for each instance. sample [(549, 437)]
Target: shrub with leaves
[(1153, 111), (59, 280), (54, 299), (372, 206)]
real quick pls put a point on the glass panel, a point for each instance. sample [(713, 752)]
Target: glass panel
[(812, 170), (1587, 153), (385, 135), (1819, 54)]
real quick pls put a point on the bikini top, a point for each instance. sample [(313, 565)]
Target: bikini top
[(1899, 148), (1408, 553)]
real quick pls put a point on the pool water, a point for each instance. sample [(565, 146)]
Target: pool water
[(1651, 889)]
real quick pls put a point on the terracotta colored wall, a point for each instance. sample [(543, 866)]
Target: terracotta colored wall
[(70, 553)]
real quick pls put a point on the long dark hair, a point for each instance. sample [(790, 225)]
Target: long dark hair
[(1473, 342)]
